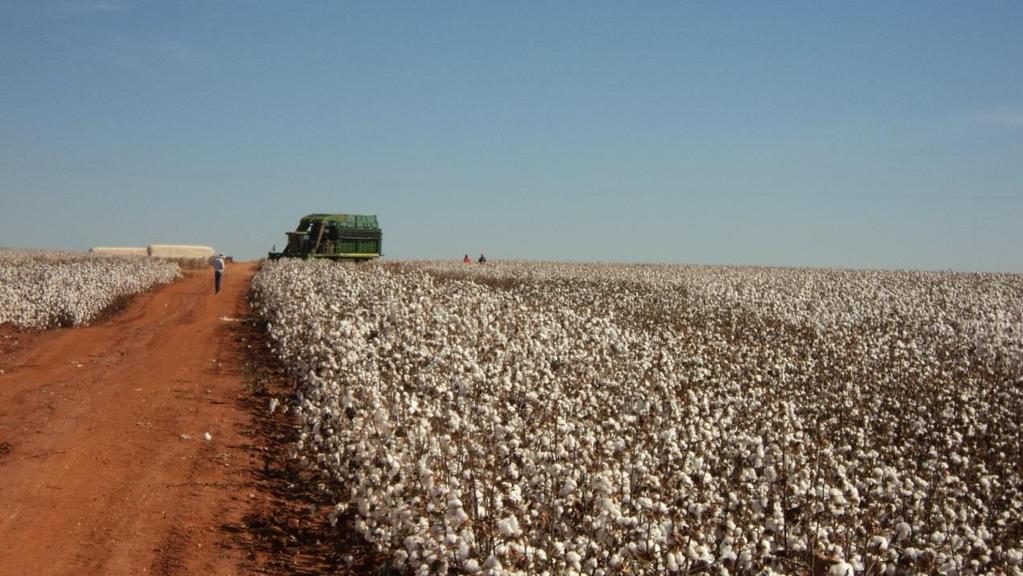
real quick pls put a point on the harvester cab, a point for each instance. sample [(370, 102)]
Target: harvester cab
[(334, 236)]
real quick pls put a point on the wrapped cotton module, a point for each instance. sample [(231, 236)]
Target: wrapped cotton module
[(179, 251), (119, 251)]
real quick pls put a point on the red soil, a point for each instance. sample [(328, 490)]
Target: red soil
[(103, 465)]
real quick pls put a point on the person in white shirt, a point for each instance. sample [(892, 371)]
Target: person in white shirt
[(218, 272)]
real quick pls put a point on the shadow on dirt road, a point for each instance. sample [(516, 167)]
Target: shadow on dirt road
[(288, 533)]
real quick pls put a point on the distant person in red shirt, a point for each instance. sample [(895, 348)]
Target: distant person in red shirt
[(466, 259)]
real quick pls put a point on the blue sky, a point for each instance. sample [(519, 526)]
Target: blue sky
[(863, 134)]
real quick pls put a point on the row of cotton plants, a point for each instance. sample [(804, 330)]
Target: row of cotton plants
[(609, 419), (48, 289), (980, 308)]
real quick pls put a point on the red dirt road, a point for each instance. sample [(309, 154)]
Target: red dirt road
[(103, 464)]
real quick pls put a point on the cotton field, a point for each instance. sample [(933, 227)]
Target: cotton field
[(47, 289), (532, 418)]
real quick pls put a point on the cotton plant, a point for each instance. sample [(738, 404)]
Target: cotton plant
[(548, 418), (41, 289)]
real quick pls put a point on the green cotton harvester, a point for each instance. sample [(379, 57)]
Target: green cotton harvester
[(334, 236)]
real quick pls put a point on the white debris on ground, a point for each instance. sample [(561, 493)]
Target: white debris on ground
[(624, 419)]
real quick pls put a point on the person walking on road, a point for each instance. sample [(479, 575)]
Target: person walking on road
[(218, 272)]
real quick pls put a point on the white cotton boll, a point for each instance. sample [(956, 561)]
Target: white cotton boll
[(902, 531), (654, 534), (455, 515), (599, 483), (273, 404), (207, 436), (704, 553), (399, 558), (745, 560), (509, 527), (426, 478), (670, 562), (836, 496), (471, 566), (841, 569)]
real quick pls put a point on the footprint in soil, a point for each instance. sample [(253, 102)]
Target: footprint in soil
[(5, 449)]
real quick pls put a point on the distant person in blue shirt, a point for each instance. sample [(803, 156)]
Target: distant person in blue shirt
[(218, 272), (483, 259)]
